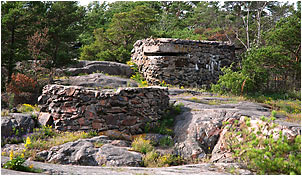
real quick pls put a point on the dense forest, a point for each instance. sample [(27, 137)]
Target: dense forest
[(267, 33)]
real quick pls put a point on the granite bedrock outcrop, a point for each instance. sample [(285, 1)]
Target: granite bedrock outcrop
[(127, 110)]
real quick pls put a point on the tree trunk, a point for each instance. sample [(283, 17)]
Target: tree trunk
[(259, 12), (12, 53)]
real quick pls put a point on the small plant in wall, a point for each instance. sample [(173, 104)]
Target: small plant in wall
[(137, 76)]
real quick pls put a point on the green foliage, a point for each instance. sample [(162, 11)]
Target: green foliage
[(261, 151), (137, 76), (232, 82), (17, 160), (98, 144), (11, 101), (166, 142), (27, 108), (150, 159), (153, 159), (164, 126), (63, 18), (115, 43), (141, 145), (43, 133), (15, 163), (274, 67)]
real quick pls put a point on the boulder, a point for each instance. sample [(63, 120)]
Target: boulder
[(16, 124), (111, 155), (84, 152), (80, 152), (89, 67), (45, 119), (98, 80)]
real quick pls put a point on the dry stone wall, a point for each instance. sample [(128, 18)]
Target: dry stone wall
[(188, 63), (127, 110)]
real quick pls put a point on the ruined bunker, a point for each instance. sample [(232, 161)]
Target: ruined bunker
[(188, 63)]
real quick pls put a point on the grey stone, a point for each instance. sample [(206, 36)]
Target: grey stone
[(192, 169), (16, 121), (111, 155), (98, 80), (80, 152), (106, 67), (198, 130), (83, 152), (45, 119)]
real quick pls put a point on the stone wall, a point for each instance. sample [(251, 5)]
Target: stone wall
[(188, 63), (126, 110)]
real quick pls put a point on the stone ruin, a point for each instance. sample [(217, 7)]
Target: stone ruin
[(188, 63), (127, 110)]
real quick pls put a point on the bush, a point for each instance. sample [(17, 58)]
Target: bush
[(150, 159), (24, 88), (166, 142), (27, 108), (141, 145), (153, 159), (21, 83), (261, 151), (164, 126), (232, 82)]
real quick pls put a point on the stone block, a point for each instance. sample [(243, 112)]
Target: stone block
[(45, 119)]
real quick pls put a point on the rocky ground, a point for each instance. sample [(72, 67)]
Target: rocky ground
[(193, 169), (198, 133)]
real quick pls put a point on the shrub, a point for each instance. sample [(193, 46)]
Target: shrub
[(263, 149), (166, 142), (153, 159), (28, 108), (232, 82), (150, 159), (24, 88), (21, 83), (164, 126), (141, 145)]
